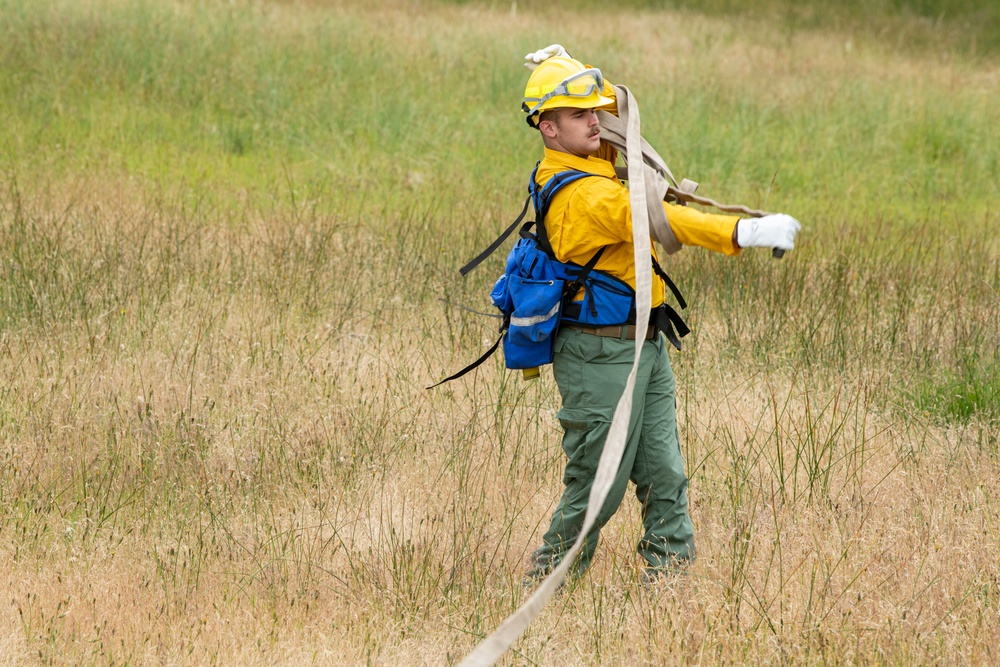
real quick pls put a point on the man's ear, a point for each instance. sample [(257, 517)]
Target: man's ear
[(548, 128)]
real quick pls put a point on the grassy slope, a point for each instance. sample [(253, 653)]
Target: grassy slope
[(239, 98), (224, 231)]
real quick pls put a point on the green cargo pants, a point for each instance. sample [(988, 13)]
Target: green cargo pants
[(591, 372)]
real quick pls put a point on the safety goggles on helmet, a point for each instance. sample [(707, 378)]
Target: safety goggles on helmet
[(582, 84)]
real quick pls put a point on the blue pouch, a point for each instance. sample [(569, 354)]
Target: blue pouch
[(534, 320)]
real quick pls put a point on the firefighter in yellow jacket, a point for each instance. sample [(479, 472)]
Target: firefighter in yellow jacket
[(591, 364)]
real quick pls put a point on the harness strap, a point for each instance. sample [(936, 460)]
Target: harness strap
[(544, 196), (540, 199), (574, 287), (475, 364), (670, 283), (667, 320), (498, 242)]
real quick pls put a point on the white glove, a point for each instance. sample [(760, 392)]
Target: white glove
[(532, 60), (771, 231)]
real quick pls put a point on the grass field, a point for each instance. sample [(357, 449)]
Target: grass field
[(226, 230)]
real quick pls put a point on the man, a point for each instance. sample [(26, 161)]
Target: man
[(592, 363)]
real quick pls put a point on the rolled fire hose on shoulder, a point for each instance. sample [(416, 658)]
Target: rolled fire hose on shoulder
[(660, 184), (491, 648)]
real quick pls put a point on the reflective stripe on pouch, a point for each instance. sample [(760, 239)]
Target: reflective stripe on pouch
[(491, 648), (534, 319)]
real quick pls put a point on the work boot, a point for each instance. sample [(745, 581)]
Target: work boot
[(529, 583), (539, 569)]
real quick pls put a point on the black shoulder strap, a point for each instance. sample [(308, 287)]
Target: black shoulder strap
[(540, 198), (544, 196), (574, 287), (665, 318)]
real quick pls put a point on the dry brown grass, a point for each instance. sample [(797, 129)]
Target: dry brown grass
[(238, 468)]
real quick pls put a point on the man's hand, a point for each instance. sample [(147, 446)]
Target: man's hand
[(772, 231), (532, 60)]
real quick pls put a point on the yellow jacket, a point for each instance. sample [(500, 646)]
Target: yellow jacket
[(591, 213)]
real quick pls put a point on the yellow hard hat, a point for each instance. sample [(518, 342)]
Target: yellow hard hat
[(563, 82)]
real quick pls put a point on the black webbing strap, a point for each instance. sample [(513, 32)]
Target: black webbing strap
[(496, 244), (543, 237), (574, 287), (670, 283), (475, 364), (525, 232), (540, 199), (670, 323), (665, 318)]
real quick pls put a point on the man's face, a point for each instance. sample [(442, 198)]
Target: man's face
[(574, 131)]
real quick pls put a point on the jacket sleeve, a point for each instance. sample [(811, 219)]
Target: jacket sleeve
[(609, 210), (708, 230)]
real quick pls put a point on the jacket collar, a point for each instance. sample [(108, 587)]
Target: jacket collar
[(556, 161)]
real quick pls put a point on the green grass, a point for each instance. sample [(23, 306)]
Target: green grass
[(969, 393), (967, 27), (244, 96)]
